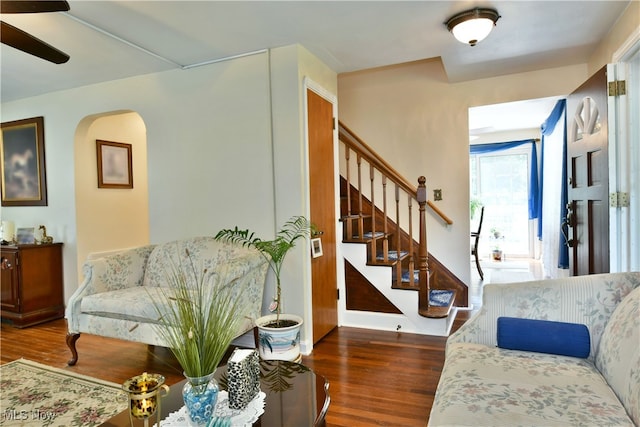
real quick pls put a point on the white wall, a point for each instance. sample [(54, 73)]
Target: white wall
[(206, 127), (213, 135)]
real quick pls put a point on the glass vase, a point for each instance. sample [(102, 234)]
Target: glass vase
[(200, 396)]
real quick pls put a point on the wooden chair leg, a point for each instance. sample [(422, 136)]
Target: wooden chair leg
[(71, 343), (475, 252)]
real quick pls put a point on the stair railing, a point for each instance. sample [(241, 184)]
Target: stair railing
[(403, 255)]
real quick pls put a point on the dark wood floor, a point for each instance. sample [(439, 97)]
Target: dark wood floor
[(376, 378)]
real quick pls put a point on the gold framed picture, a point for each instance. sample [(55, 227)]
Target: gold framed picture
[(115, 164), (22, 163)]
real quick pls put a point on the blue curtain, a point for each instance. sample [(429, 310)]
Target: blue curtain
[(547, 128), (534, 193)]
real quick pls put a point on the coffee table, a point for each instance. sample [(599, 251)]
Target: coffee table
[(295, 396)]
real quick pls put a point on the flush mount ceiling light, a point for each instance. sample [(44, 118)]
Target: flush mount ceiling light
[(473, 25)]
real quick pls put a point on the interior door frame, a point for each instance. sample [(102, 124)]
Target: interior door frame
[(318, 89), (624, 227)]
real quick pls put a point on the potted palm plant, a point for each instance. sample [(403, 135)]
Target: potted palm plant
[(278, 334)]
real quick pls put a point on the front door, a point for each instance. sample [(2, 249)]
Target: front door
[(588, 175), (323, 215)]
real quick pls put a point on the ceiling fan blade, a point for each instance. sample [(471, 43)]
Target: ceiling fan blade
[(33, 6), (25, 42)]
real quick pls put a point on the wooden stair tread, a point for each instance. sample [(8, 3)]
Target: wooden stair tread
[(366, 238), (355, 240), (353, 216), (393, 258), (439, 311), (406, 286), (382, 263)]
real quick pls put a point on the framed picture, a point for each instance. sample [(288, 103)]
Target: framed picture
[(316, 247), (22, 163), (26, 235), (115, 164)]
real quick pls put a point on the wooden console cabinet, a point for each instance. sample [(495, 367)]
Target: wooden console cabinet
[(32, 289)]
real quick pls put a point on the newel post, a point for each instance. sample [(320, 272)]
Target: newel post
[(423, 261)]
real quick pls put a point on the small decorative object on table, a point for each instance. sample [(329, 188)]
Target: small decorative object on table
[(200, 395), (8, 232), (45, 239), (244, 377), (144, 396)]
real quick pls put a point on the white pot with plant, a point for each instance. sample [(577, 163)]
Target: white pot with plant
[(278, 333)]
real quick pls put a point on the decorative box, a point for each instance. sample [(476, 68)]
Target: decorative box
[(243, 369)]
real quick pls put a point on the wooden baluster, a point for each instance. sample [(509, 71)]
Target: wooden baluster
[(349, 229), (423, 262), (385, 241), (374, 245), (398, 234), (360, 215), (412, 262)]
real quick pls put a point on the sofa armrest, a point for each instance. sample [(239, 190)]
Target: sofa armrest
[(587, 300), (122, 270)]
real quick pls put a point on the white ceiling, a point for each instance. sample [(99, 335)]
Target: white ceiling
[(492, 120), (345, 35)]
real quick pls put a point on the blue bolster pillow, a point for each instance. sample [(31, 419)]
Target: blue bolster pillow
[(544, 336)]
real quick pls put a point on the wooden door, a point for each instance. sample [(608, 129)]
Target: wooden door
[(9, 280), (323, 214), (588, 175)]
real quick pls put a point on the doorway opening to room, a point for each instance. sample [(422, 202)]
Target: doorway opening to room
[(500, 180)]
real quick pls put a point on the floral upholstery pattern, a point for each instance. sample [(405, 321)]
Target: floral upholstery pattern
[(127, 303), (110, 273), (115, 298), (485, 385), (588, 300), (619, 355), (489, 386), (207, 254)]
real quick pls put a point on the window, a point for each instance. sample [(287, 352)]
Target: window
[(501, 182)]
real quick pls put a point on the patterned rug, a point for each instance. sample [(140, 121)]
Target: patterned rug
[(440, 298), (32, 394)]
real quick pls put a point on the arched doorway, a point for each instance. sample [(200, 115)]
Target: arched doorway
[(109, 219)]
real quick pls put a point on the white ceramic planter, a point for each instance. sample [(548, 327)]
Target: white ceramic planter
[(279, 343)]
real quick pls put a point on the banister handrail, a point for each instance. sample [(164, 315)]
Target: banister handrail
[(441, 214), (359, 146), (347, 136)]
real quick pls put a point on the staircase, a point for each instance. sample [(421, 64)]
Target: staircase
[(388, 267)]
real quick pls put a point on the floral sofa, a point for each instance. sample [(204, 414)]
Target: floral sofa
[(486, 382), (116, 297)]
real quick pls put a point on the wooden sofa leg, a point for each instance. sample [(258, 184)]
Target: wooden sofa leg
[(71, 343)]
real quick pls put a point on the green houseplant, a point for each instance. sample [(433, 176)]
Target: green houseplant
[(198, 317), (283, 343), (474, 204)]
